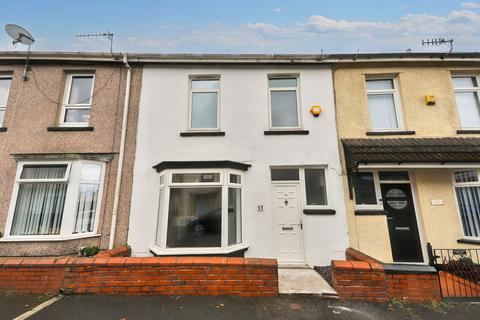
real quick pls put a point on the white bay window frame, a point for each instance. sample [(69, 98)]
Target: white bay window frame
[(396, 100), (82, 106), (297, 95), (72, 179), (456, 185), (190, 99), (166, 184)]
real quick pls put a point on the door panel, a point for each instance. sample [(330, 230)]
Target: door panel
[(402, 222), (288, 229)]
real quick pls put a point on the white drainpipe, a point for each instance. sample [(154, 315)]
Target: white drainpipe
[(121, 155)]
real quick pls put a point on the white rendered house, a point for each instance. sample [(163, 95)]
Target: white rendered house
[(230, 160)]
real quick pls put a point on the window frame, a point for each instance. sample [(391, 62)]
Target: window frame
[(460, 185), (298, 100), (190, 100), (72, 179), (4, 107), (160, 243), (378, 192), (396, 100), (301, 183), (466, 90), (66, 96)]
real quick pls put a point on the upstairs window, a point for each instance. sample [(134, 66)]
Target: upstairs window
[(466, 95), (5, 82), (383, 104), (204, 104), (77, 102), (284, 106)]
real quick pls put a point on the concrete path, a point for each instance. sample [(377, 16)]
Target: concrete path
[(303, 281)]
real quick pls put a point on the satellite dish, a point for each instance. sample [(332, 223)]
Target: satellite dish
[(19, 34)]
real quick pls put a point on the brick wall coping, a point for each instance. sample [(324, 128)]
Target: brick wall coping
[(355, 255), (131, 261), (395, 268), (357, 265)]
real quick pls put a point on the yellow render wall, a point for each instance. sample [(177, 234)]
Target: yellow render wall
[(413, 83)]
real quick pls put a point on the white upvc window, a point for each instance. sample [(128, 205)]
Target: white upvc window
[(313, 183), (284, 102), (466, 184), (366, 187), (77, 100), (5, 82), (55, 200), (467, 98), (200, 212), (384, 103), (204, 110)]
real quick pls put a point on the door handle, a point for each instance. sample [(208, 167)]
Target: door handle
[(389, 218)]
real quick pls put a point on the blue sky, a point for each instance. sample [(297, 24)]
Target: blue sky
[(248, 26)]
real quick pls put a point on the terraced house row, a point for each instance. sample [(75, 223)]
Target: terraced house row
[(291, 157)]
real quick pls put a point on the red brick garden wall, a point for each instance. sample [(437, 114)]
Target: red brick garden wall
[(369, 281), (124, 275)]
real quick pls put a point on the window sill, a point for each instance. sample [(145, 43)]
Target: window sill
[(468, 131), (70, 129), (202, 133), (285, 132), (3, 129), (199, 251), (469, 241), (319, 211), (46, 238), (369, 212), (390, 133)]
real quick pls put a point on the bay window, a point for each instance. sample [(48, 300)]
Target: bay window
[(200, 211), (467, 191), (54, 200)]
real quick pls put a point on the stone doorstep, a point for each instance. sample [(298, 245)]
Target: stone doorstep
[(303, 281)]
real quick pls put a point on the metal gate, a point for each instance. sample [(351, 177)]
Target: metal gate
[(458, 271)]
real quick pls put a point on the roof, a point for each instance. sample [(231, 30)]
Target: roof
[(241, 58), (441, 150), (215, 164)]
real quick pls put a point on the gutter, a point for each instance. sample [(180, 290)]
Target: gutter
[(121, 155)]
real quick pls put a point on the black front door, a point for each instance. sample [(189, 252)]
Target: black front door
[(402, 222)]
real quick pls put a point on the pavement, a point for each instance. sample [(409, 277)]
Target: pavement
[(282, 307), (303, 281)]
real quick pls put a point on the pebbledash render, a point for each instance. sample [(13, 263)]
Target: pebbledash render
[(60, 137), (232, 159)]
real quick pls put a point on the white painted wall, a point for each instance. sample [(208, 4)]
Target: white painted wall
[(244, 117)]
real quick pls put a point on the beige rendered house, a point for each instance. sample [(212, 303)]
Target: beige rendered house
[(62, 136), (409, 126)]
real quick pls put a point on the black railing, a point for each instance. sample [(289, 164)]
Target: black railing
[(459, 271)]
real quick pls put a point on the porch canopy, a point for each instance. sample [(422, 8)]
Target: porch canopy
[(410, 153)]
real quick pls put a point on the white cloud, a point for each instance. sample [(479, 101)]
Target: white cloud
[(278, 10), (470, 5)]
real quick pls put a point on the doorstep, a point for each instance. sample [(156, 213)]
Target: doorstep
[(303, 281)]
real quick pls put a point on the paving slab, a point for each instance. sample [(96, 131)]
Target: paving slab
[(303, 281)]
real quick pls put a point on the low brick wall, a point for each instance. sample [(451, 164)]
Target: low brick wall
[(158, 275), (355, 255), (123, 251), (372, 281)]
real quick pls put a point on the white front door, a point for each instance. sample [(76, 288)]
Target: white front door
[(288, 227)]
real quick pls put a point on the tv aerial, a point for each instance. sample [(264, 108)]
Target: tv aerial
[(439, 42), (20, 35), (108, 35)]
